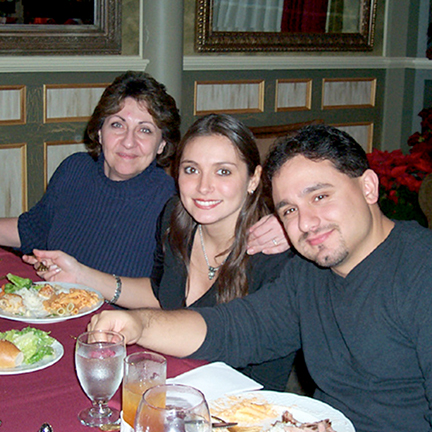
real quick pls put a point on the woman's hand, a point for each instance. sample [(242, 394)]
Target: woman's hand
[(60, 266), (267, 236)]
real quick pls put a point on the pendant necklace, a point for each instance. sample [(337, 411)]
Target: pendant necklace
[(211, 270)]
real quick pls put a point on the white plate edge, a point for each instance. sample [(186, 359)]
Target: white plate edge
[(65, 285), (58, 354)]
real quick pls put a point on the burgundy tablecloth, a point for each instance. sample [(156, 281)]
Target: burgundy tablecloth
[(53, 394)]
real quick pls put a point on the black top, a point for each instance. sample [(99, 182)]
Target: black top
[(169, 281)]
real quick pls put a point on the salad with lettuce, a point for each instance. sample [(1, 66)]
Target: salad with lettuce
[(35, 344), (16, 283)]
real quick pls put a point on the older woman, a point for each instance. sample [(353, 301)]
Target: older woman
[(102, 206)]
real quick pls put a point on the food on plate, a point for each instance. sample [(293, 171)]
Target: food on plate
[(71, 302), (246, 411), (10, 355), (256, 414), (289, 424), (34, 344), (44, 300), (16, 282), (12, 303)]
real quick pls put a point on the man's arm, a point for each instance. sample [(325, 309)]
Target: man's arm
[(178, 333)]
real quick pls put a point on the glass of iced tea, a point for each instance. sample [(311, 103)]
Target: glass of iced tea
[(142, 370), (173, 408)]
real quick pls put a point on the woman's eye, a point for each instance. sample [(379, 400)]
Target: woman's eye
[(145, 130), (116, 125), (190, 170), (224, 172)]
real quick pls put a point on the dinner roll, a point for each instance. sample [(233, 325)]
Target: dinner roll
[(10, 355)]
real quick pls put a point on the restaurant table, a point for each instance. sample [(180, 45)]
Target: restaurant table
[(53, 395)]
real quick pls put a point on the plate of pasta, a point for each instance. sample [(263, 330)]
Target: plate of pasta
[(49, 302)]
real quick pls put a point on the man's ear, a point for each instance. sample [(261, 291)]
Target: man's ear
[(370, 184)]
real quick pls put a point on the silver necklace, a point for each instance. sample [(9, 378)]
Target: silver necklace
[(211, 270)]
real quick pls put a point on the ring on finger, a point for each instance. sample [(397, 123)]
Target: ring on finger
[(275, 242)]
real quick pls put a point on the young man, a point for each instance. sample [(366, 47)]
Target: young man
[(357, 299)]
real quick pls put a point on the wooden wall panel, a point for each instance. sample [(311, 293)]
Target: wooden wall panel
[(12, 105), (229, 96), (55, 153), (13, 169), (71, 102)]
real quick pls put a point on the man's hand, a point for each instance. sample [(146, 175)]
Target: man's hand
[(128, 323), (178, 332), (267, 236)]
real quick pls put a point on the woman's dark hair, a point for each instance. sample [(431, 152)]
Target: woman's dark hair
[(144, 89), (318, 142), (232, 280)]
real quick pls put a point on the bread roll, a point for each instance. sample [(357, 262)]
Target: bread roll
[(10, 355)]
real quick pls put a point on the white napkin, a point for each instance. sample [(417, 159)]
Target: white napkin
[(216, 380)]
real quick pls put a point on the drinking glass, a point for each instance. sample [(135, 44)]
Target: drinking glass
[(99, 358), (142, 370), (173, 408)]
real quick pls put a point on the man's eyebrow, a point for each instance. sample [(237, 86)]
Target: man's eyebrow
[(314, 188), (306, 191), (281, 204)]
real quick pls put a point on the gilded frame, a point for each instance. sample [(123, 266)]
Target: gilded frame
[(101, 38), (207, 40)]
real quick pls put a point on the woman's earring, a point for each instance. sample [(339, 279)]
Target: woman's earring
[(250, 192)]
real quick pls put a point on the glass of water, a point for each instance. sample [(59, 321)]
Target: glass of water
[(173, 408), (99, 358)]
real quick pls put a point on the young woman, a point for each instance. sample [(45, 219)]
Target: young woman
[(202, 255)]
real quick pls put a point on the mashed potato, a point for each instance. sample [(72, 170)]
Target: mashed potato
[(32, 302)]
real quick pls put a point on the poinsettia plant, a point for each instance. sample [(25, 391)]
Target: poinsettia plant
[(401, 174)]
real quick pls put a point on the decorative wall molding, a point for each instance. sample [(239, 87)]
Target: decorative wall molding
[(208, 62), (293, 94), (243, 96), (55, 152), (12, 105), (292, 62), (342, 93), (13, 191), (362, 132), (71, 64), (71, 102)]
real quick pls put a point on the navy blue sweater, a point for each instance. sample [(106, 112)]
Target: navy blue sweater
[(108, 225)]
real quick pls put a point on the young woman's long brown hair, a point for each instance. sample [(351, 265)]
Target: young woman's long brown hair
[(232, 280)]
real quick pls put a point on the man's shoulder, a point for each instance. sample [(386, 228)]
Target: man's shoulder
[(413, 234)]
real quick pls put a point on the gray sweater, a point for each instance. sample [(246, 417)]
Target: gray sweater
[(366, 338)]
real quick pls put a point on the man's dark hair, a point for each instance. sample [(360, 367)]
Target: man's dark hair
[(317, 143)]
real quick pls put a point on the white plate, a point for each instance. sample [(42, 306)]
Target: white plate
[(304, 409), (48, 320), (42, 364)]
